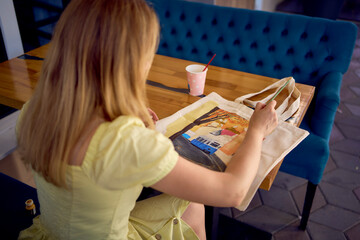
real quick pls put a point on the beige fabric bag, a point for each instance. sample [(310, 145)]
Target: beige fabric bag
[(212, 128)]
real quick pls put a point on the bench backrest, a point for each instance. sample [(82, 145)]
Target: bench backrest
[(265, 43)]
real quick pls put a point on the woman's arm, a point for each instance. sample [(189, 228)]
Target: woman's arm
[(198, 184)]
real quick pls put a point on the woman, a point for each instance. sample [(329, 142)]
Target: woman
[(88, 136)]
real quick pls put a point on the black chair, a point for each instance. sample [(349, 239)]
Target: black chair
[(14, 216)]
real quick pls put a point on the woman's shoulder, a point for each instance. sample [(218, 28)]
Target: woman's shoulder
[(124, 148), (125, 128), (124, 121), (129, 127), (125, 138)]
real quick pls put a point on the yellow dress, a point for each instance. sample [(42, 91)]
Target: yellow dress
[(122, 157)]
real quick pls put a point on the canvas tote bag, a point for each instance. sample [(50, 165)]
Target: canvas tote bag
[(209, 131)]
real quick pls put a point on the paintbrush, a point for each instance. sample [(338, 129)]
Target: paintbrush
[(277, 93)]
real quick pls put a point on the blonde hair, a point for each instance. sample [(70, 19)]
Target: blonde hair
[(97, 63)]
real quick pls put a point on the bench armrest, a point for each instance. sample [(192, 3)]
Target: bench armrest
[(327, 101)]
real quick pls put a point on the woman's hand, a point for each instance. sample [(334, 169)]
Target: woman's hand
[(264, 119), (153, 115)]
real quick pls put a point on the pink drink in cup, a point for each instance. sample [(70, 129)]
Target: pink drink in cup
[(196, 79)]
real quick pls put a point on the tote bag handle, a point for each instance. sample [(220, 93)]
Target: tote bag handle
[(284, 111)]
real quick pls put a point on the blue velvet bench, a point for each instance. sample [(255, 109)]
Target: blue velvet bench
[(314, 51)]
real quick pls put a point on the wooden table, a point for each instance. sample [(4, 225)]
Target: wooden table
[(166, 88)]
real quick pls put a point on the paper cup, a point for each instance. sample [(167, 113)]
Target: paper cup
[(196, 79)]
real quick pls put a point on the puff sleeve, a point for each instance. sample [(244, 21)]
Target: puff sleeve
[(129, 154)]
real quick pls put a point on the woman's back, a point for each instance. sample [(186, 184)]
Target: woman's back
[(103, 189), (87, 211)]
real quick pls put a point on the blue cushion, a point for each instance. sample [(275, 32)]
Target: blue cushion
[(315, 51), (309, 158)]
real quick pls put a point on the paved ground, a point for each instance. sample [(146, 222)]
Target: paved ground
[(336, 208)]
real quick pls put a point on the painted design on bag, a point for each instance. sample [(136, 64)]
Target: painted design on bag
[(212, 139)]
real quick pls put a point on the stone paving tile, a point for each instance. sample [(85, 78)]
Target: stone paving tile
[(280, 199), (347, 145), (355, 87), (357, 72), (354, 64), (357, 193), (356, 50), (344, 116), (354, 109), (267, 219), (353, 233), (287, 181), (299, 198), (292, 232), (318, 231), (330, 165), (255, 202), (342, 111), (355, 61), (346, 92), (357, 43), (336, 135), (349, 86), (350, 131), (349, 120), (340, 197), (351, 101), (346, 161), (356, 53), (356, 90), (342, 178), (350, 76), (334, 217)]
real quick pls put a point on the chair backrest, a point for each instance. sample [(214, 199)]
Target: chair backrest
[(271, 44), (15, 216)]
